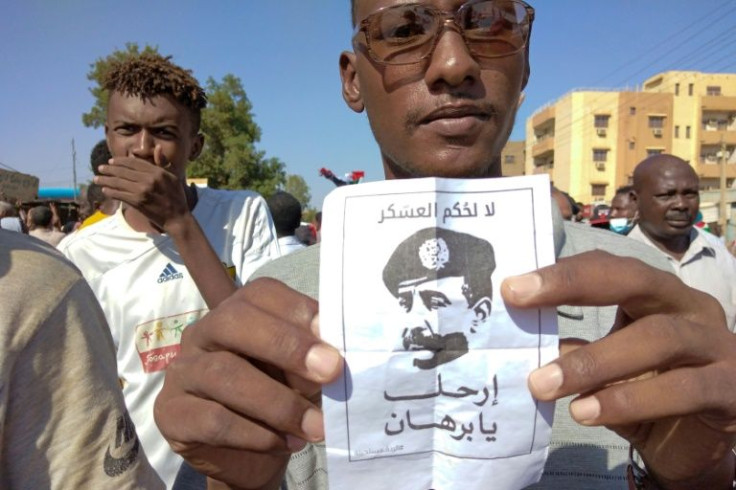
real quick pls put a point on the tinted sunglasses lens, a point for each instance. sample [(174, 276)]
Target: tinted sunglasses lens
[(495, 28), (402, 34)]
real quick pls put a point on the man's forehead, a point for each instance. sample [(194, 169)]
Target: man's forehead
[(672, 178)]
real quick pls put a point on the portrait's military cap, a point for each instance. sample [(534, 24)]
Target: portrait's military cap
[(434, 253)]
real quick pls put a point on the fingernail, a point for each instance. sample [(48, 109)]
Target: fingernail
[(545, 381), (322, 360), (585, 410), (96, 179), (295, 444), (525, 285), (314, 326), (313, 425)]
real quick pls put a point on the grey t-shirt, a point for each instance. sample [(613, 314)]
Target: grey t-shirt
[(590, 458)]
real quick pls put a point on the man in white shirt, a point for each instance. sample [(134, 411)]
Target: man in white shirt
[(155, 265), (668, 197), (286, 211)]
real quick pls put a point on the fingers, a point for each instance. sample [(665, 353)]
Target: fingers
[(160, 159), (673, 393), (241, 391), (600, 279), (254, 323), (661, 342)]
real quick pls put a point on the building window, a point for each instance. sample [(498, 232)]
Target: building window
[(632, 111), (677, 131), (601, 121), (677, 89), (632, 145), (687, 132), (654, 151), (656, 122), (690, 88), (713, 90), (509, 159), (600, 155), (598, 190)]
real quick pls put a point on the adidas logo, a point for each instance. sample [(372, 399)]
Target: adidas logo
[(169, 274)]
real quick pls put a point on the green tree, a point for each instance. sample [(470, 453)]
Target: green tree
[(230, 159), (95, 118), (297, 187)]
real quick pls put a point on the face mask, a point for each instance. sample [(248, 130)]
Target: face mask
[(620, 225)]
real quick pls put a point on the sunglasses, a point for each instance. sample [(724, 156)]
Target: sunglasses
[(405, 34)]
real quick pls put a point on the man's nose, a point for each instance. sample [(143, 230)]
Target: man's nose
[(451, 62), (680, 202), (143, 147)]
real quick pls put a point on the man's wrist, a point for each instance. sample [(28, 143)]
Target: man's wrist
[(180, 227)]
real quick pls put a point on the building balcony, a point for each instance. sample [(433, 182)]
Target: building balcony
[(711, 138), (713, 170), (543, 147), (717, 103), (543, 117)]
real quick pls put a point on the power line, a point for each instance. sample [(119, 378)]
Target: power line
[(9, 167), (675, 34)]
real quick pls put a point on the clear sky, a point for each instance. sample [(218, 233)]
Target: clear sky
[(285, 52)]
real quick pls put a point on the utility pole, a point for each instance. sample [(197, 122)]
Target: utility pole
[(722, 216), (74, 169)]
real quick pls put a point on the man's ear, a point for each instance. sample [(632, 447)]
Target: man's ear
[(350, 82), (197, 146), (482, 311)]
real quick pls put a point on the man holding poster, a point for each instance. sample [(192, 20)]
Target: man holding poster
[(441, 102)]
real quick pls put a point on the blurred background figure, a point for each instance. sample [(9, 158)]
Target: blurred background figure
[(100, 206), (9, 219), (41, 225), (568, 206), (624, 210), (286, 211)]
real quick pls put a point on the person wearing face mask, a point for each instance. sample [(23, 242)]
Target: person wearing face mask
[(624, 210)]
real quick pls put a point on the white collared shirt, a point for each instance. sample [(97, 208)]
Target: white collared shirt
[(707, 266), (289, 244)]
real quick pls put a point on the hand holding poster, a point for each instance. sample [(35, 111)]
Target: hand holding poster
[(434, 392)]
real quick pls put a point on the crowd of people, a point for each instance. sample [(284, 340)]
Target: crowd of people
[(178, 346)]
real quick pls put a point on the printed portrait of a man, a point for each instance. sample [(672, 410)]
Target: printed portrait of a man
[(442, 281)]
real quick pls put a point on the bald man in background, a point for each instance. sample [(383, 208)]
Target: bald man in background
[(667, 192)]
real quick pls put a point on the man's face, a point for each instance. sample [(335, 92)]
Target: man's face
[(622, 206), (437, 320), (136, 126), (448, 116), (668, 202)]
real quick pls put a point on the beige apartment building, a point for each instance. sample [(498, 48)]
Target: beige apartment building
[(513, 158), (589, 141)]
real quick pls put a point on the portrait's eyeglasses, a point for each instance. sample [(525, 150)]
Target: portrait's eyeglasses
[(406, 34)]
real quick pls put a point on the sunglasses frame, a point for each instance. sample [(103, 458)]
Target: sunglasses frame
[(445, 17)]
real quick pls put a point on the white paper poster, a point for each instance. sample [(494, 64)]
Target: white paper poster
[(434, 394)]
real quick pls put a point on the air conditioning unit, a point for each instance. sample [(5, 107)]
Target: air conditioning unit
[(601, 131), (657, 132), (600, 166)]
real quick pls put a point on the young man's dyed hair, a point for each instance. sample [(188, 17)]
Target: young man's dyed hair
[(149, 75)]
